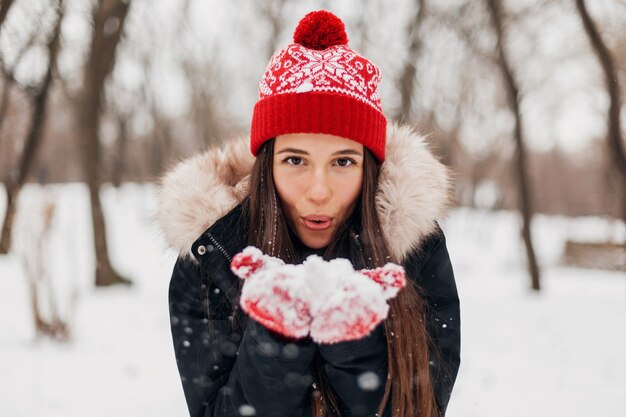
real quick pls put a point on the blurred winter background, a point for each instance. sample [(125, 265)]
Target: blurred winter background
[(524, 99)]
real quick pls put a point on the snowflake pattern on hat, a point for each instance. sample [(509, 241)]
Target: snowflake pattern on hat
[(338, 69)]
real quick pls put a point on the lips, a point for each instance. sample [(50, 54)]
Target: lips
[(317, 222)]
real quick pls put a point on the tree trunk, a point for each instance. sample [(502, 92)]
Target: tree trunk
[(4, 101), (272, 12), (616, 146), (119, 163), (17, 180), (205, 114), (9, 218), (407, 79), (513, 97), (108, 23), (34, 261), (9, 74), (4, 10)]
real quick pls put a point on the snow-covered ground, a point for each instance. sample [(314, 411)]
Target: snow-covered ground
[(557, 353)]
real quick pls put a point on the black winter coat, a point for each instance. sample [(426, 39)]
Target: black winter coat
[(225, 372), (231, 366)]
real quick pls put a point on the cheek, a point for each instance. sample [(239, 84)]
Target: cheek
[(287, 188), (349, 190)]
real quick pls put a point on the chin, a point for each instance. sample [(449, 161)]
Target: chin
[(316, 245), (314, 242)]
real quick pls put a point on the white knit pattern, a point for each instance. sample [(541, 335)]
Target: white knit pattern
[(337, 69)]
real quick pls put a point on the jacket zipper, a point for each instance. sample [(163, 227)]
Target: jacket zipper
[(219, 247)]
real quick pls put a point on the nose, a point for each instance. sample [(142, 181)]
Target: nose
[(319, 190)]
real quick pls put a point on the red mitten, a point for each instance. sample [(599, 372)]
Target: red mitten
[(330, 300), (347, 305), (351, 313), (251, 260), (390, 277), (274, 294)]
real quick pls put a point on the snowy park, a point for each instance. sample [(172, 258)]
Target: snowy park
[(556, 352), (500, 120)]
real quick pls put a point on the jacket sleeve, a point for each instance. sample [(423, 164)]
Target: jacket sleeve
[(357, 371), (224, 374), (434, 274)]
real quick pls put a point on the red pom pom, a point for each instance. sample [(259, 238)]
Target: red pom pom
[(320, 30)]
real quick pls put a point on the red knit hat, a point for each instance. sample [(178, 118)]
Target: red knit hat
[(319, 85)]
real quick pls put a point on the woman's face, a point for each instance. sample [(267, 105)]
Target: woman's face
[(318, 178)]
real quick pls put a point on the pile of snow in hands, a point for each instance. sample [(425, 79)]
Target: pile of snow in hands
[(327, 300)]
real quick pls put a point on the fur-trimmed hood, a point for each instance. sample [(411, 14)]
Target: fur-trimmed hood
[(414, 191)]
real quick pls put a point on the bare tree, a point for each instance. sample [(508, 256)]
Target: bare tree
[(616, 146), (206, 114), (407, 78), (160, 143), (272, 11), (5, 5), (108, 23), (16, 181), (514, 98), (119, 161), (9, 72), (35, 236), (208, 118), (360, 37)]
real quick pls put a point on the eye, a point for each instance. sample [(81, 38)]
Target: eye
[(296, 161), (345, 162)]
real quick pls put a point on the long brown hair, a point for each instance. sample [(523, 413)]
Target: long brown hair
[(407, 339)]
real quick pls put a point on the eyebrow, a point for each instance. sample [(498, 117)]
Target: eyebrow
[(303, 152)]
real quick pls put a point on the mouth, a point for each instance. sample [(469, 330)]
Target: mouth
[(317, 222)]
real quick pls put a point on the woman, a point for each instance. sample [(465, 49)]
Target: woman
[(329, 178)]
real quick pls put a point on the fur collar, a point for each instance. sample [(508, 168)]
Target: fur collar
[(414, 190)]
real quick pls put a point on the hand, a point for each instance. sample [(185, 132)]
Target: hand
[(330, 300), (390, 277), (349, 304), (251, 260), (355, 308), (273, 294)]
